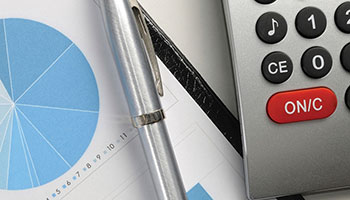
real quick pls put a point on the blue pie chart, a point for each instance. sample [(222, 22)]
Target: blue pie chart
[(49, 104)]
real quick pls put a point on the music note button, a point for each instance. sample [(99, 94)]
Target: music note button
[(271, 27)]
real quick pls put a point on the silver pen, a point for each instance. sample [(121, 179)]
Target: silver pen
[(135, 59)]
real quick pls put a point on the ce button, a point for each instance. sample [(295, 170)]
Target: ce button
[(277, 67)]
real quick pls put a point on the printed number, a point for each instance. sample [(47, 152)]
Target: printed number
[(318, 65), (78, 174), (313, 22), (98, 156), (88, 165), (348, 13), (68, 183), (58, 192), (123, 136), (110, 147)]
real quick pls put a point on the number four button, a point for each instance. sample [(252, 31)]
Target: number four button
[(342, 17), (311, 22)]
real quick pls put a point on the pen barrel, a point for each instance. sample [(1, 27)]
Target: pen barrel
[(138, 83), (164, 171), (130, 57)]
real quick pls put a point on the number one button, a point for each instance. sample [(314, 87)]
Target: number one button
[(311, 22)]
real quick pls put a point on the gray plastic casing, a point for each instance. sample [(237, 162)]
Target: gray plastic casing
[(302, 157)]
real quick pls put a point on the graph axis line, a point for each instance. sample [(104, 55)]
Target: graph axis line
[(46, 140), (9, 153), (29, 153), (8, 57), (42, 74), (24, 150), (58, 108)]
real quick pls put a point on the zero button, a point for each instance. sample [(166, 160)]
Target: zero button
[(316, 62)]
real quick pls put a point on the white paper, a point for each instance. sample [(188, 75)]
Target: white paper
[(114, 166)]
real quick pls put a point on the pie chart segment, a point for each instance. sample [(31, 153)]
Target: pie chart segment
[(73, 124), (29, 160), (32, 48), (19, 171), (4, 111), (4, 101), (55, 89), (5, 120), (5, 98), (4, 154), (47, 161), (49, 104), (4, 68)]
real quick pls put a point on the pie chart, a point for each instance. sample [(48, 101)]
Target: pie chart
[(49, 104)]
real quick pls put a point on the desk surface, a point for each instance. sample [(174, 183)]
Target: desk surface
[(198, 29)]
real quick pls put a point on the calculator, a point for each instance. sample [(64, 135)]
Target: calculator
[(291, 63)]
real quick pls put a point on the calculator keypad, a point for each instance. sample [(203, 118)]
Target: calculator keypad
[(316, 62)]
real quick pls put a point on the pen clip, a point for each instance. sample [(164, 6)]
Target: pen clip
[(146, 37)]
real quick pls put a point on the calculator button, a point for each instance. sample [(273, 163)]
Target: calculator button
[(311, 22), (301, 105), (277, 67), (265, 1), (342, 17), (347, 98), (345, 57), (316, 62), (271, 27)]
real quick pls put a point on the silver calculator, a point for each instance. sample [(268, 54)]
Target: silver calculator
[(291, 61)]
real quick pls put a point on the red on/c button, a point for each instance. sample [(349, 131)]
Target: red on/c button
[(301, 105)]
